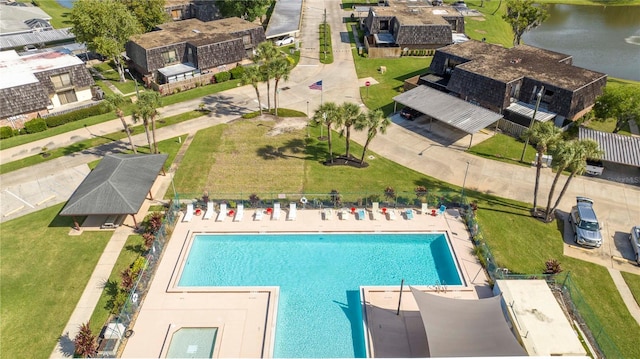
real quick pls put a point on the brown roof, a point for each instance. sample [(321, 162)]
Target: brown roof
[(507, 65), (191, 30), (411, 16)]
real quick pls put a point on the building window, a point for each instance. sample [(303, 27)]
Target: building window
[(67, 97), (384, 25), (246, 39), (169, 56), (176, 14), (61, 80)]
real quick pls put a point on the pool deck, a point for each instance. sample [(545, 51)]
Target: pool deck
[(246, 316)]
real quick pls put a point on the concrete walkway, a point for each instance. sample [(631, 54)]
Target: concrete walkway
[(618, 205)]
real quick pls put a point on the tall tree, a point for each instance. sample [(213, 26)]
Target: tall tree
[(327, 114), (376, 123), (584, 149), (280, 68), (543, 135), (115, 102), (148, 12), (563, 154), (146, 109), (105, 26), (523, 16), (85, 342), (621, 103), (246, 9), (252, 76), (266, 53), (350, 115)]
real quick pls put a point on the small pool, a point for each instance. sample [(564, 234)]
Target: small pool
[(319, 275), (192, 343)]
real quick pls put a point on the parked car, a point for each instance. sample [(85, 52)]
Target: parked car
[(460, 4), (634, 238), (285, 41), (594, 167), (409, 113), (585, 225)]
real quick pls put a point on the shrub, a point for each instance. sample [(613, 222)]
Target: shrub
[(76, 115), (236, 72), (552, 267), (223, 76), (6, 132), (36, 125)]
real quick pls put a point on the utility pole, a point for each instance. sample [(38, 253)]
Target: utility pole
[(533, 120)]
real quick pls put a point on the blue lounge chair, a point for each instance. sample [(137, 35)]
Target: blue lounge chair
[(409, 213), (441, 210), (361, 214)]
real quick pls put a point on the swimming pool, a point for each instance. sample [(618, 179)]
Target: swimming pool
[(319, 275)]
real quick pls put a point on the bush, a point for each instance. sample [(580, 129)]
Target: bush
[(236, 72), (6, 132), (35, 125), (223, 76), (76, 115)]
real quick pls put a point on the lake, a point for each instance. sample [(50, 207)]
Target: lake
[(600, 38)]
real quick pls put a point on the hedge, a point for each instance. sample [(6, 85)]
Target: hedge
[(223, 76), (236, 72), (76, 115), (35, 125), (6, 132)]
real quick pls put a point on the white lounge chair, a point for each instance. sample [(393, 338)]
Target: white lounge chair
[(276, 212), (209, 213), (424, 209), (258, 215), (291, 216), (392, 214), (188, 214), (328, 214), (223, 212), (344, 214), (375, 210), (361, 214), (239, 213)]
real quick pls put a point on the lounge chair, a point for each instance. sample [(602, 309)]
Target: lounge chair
[(375, 210), (239, 213), (188, 214), (276, 212), (361, 214), (409, 213), (392, 214), (258, 215), (293, 209), (209, 213), (344, 214), (328, 214), (223, 212), (424, 209), (441, 210)]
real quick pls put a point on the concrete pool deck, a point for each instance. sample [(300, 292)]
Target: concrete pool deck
[(246, 316)]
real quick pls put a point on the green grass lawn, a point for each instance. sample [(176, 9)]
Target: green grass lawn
[(44, 271), (633, 281), (504, 148), (96, 141), (326, 51)]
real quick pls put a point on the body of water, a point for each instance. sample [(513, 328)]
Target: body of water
[(600, 38), (319, 275)]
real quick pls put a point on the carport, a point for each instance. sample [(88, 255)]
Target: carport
[(285, 19), (448, 109), (117, 186), (617, 148)]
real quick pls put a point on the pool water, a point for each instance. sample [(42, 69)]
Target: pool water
[(319, 275)]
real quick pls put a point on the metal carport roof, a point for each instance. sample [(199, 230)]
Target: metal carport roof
[(285, 19), (617, 148), (527, 110), (448, 109), (118, 185)]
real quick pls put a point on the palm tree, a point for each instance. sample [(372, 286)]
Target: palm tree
[(584, 149), (376, 122), (85, 342), (543, 135), (281, 69), (114, 102), (146, 109), (563, 154), (350, 114), (327, 114), (252, 76), (266, 52)]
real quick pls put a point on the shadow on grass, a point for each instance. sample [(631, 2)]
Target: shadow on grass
[(138, 248), (64, 221)]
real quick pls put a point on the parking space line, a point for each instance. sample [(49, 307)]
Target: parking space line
[(19, 199), (13, 211), (46, 199)]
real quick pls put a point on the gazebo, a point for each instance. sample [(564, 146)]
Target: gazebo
[(117, 186)]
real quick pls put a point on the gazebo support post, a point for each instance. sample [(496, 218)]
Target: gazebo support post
[(150, 195), (75, 223), (163, 171), (135, 223), (470, 141)]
